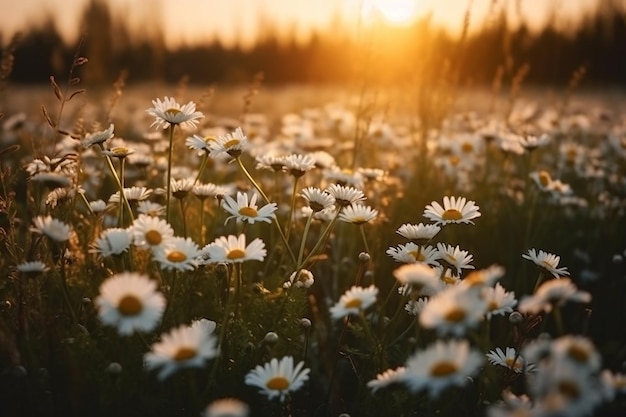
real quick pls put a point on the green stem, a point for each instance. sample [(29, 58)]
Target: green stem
[(182, 212), (292, 208), (169, 173), (367, 248), (120, 186), (121, 202), (321, 240), (305, 234), (558, 320), (202, 167)]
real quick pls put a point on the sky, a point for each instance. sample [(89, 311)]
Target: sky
[(189, 21)]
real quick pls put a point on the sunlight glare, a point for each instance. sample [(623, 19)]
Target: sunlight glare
[(398, 12)]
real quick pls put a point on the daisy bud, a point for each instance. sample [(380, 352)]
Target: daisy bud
[(364, 257), (618, 259), (113, 368), (516, 317), (270, 338), (305, 323)]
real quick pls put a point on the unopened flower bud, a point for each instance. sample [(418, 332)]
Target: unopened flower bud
[(364, 257), (270, 338), (305, 323), (516, 317), (113, 368)]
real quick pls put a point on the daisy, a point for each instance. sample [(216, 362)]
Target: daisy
[(53, 228), (232, 144), (247, 211), (180, 188), (130, 302), (542, 179), (98, 206), (97, 138), (233, 249), (387, 378), (227, 407), (132, 194), (150, 208), (357, 214), (452, 311), (419, 234), (354, 301), (441, 365), (499, 301), (317, 199), (415, 307), (301, 279), (531, 142), (297, 165), (169, 112), (454, 210), (578, 351), (183, 347), (203, 191), (179, 254), (419, 278), (278, 378), (553, 293), (509, 359), (114, 241), (345, 196), (119, 152), (547, 262), (200, 143), (151, 232), (410, 253), (270, 161), (484, 277), (32, 268), (449, 277), (345, 177), (454, 257)]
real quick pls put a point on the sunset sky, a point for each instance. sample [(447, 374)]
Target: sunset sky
[(189, 21)]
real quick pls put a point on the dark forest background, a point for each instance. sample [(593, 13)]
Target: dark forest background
[(389, 55)]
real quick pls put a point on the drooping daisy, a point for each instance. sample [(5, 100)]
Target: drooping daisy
[(232, 144), (411, 252), (150, 208), (183, 347), (358, 214), (419, 234), (345, 196), (499, 301), (419, 278), (298, 165), (180, 188), (132, 194), (547, 262), (532, 142), (150, 232), (354, 301), (454, 210), (169, 112), (553, 293), (227, 407), (441, 365), (246, 210), (233, 249), (130, 302), (509, 358), (317, 199), (454, 257), (114, 241), (453, 311), (387, 378), (200, 143), (52, 228), (179, 254), (97, 138), (278, 378)]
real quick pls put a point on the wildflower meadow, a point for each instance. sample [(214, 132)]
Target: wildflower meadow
[(352, 257)]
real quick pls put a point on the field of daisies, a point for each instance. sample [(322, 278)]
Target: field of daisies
[(161, 258)]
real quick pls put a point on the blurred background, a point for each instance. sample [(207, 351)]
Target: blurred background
[(479, 42)]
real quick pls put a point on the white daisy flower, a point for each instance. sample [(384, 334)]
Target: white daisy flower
[(132, 194), (278, 378), (441, 365), (98, 206), (317, 199), (246, 210), (227, 407), (419, 278), (200, 143), (203, 191), (150, 208), (548, 262), (453, 311), (179, 254), (387, 378), (454, 257), (169, 112), (578, 351), (484, 277), (531, 142), (300, 279), (180, 188), (151, 232), (415, 307), (499, 301), (52, 228), (183, 347), (552, 293), (345, 196), (297, 165), (32, 267), (233, 249), (353, 301), (232, 144), (97, 138), (345, 177), (114, 241), (454, 210), (119, 152), (509, 358), (542, 179), (411, 253), (420, 233), (130, 302), (357, 214)]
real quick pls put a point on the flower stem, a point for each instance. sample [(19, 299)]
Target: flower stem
[(169, 173), (305, 234)]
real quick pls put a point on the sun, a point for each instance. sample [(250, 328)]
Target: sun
[(393, 11)]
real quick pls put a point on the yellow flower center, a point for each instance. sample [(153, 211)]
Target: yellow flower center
[(153, 237), (176, 256), (419, 256), (547, 265), (455, 315), (353, 303), (130, 305), (231, 143), (569, 389), (492, 306), (578, 353), (452, 214), (278, 383), (544, 178), (172, 110), (248, 211), (467, 147), (184, 353), (443, 369), (474, 278), (449, 280), (454, 160), (208, 139), (359, 220), (513, 363), (236, 254)]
